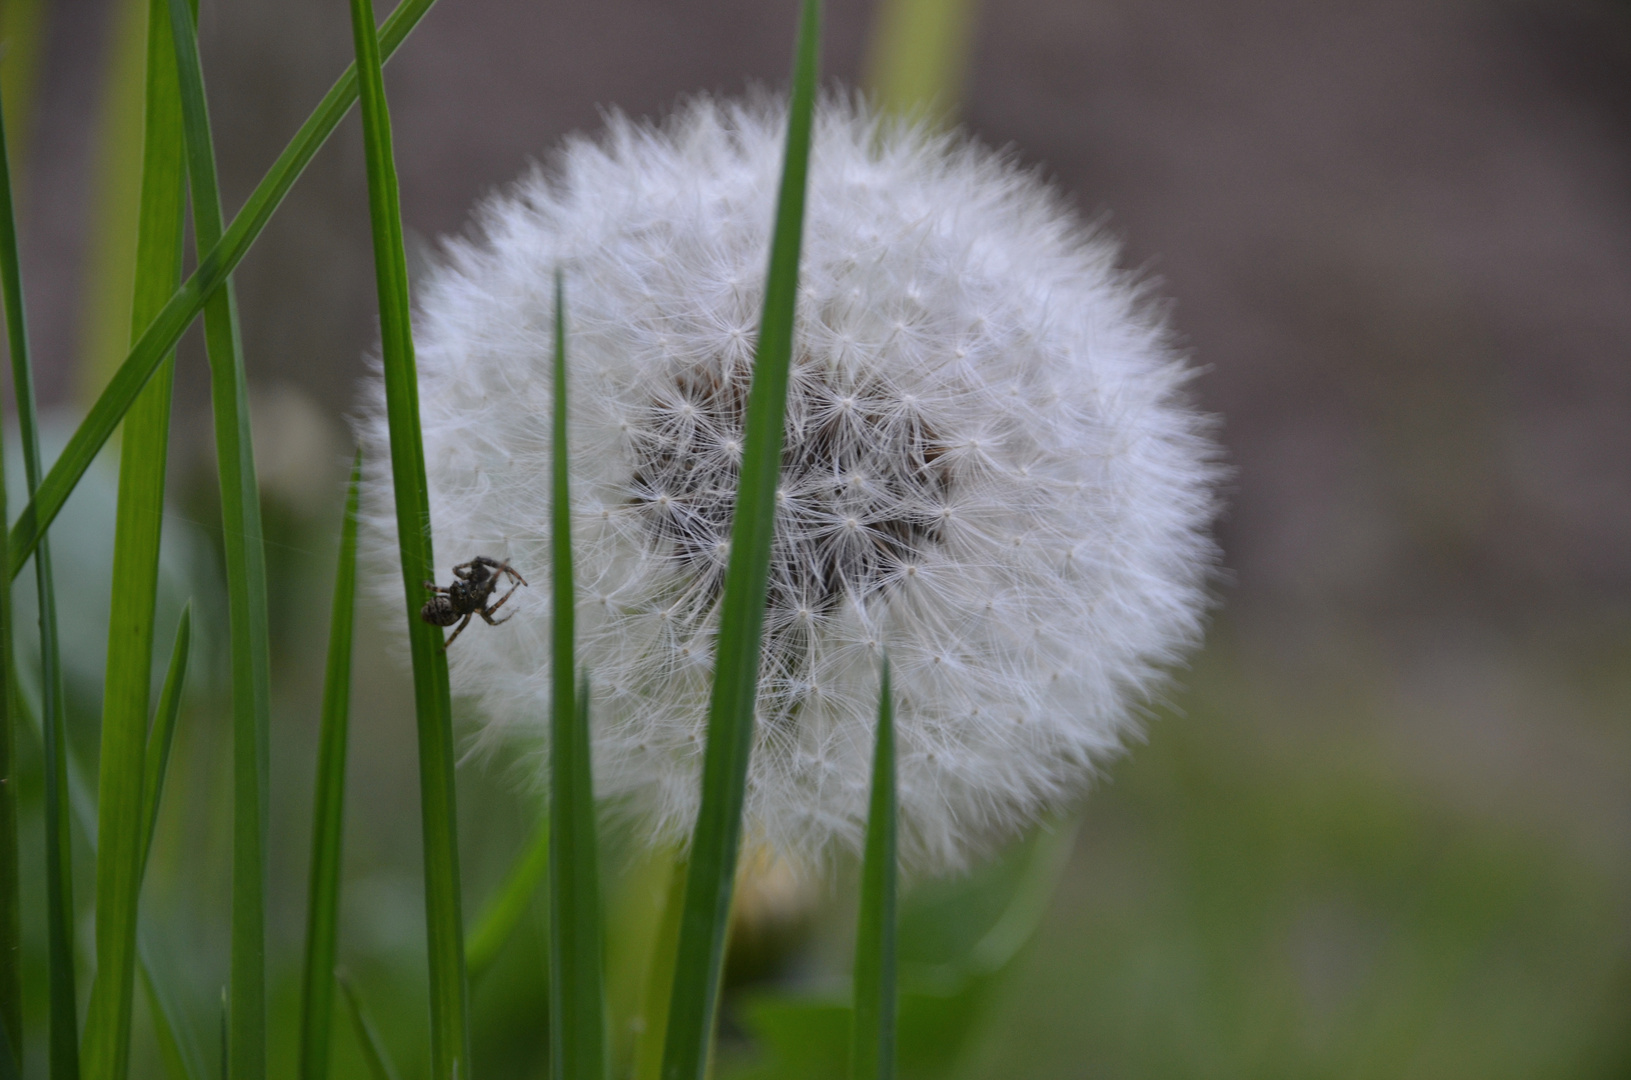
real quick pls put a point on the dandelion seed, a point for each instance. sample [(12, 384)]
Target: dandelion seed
[(989, 467)]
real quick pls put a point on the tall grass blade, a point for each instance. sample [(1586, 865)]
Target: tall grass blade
[(502, 913), (246, 580), (163, 735), (872, 1045), (577, 996), (373, 1051), (10, 881), (160, 334), (328, 809), (709, 882), (123, 828), (64, 1022), (449, 992)]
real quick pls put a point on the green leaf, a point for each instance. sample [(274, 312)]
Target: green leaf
[(246, 580), (577, 995), (161, 333), (64, 1021), (449, 991), (328, 810), (373, 1051), (502, 914), (709, 881), (163, 734), (872, 1047), (11, 983), (123, 827)]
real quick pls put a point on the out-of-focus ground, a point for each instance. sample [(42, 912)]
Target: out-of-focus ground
[(1387, 829)]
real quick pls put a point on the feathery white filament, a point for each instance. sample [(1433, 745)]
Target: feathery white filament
[(989, 469)]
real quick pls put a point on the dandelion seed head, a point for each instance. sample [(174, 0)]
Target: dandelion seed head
[(990, 469)]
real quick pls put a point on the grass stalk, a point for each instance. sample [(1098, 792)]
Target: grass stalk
[(328, 810), (872, 1045), (577, 996), (11, 983), (449, 991), (127, 683), (246, 579), (215, 265), (163, 734), (709, 882), (64, 1020)]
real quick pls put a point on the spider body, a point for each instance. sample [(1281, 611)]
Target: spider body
[(473, 585)]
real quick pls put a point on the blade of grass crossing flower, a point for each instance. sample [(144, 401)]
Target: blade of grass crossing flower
[(450, 1031), (328, 810), (872, 1044), (11, 982), (709, 882), (577, 997), (160, 739), (373, 1051), (64, 1021), (159, 335), (502, 914), (122, 824), (246, 580)]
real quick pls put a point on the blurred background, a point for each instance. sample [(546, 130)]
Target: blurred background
[(1380, 828)]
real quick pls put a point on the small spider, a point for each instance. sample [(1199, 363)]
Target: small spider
[(468, 595)]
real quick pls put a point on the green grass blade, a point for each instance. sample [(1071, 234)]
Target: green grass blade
[(503, 912), (246, 580), (64, 1022), (373, 1051), (577, 995), (122, 824), (11, 983), (160, 739), (714, 844), (449, 991), (159, 335), (872, 1046), (328, 810)]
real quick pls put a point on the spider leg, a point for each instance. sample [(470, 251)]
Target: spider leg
[(433, 587), (487, 612), (456, 633), (510, 570), (464, 570)]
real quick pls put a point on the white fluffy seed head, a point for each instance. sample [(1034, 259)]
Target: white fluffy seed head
[(989, 470)]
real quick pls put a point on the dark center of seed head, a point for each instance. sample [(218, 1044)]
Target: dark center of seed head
[(863, 483)]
